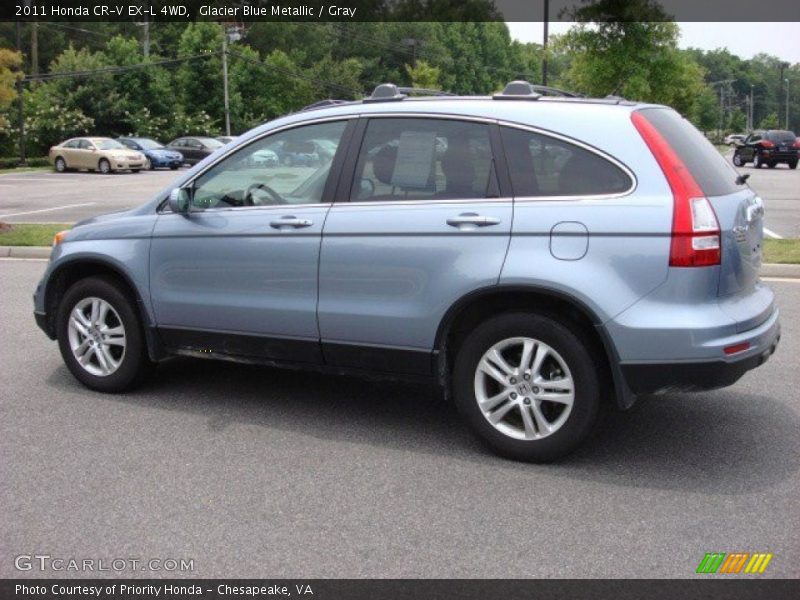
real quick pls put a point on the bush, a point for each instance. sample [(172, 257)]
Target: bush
[(13, 162)]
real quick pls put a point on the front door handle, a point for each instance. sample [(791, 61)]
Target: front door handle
[(472, 220), (290, 222)]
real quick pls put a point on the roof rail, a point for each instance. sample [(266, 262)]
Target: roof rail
[(389, 92), (551, 91), (386, 92), (518, 89), (424, 91), (523, 90), (324, 104)]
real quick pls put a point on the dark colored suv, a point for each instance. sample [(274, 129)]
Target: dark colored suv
[(768, 148)]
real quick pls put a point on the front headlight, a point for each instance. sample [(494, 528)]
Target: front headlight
[(119, 157)]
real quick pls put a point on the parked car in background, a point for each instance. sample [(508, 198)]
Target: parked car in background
[(195, 148), (155, 152), (264, 158), (296, 154), (226, 139), (95, 154), (557, 256), (731, 139), (769, 148)]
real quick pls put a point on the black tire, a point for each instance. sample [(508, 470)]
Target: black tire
[(135, 365), (757, 162), (60, 165), (771, 164), (737, 159), (793, 164), (104, 166), (174, 167), (560, 338), (135, 170)]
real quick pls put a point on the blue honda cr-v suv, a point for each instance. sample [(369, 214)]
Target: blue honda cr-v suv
[(534, 255)]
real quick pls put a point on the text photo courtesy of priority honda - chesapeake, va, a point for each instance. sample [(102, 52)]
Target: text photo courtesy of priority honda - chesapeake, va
[(400, 299)]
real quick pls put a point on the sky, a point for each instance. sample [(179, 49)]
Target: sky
[(743, 39)]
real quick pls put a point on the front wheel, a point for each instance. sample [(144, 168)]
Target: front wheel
[(100, 336), (527, 385), (737, 159), (757, 162), (793, 164), (104, 166), (771, 164)]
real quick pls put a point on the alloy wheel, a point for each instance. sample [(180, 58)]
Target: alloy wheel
[(97, 336), (524, 388)]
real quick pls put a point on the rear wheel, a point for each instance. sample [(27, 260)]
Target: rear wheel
[(527, 385), (771, 164), (100, 336), (757, 162), (793, 164), (737, 159), (60, 164)]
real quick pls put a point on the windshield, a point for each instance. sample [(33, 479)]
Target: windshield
[(148, 144), (211, 142), (109, 145)]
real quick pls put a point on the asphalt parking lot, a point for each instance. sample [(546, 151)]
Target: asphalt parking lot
[(780, 189), (48, 197), (255, 472)]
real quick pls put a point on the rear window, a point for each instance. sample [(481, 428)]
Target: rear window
[(710, 170), (781, 137), (544, 166)]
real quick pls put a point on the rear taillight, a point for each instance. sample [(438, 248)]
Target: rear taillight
[(796, 144), (695, 228), (766, 144)]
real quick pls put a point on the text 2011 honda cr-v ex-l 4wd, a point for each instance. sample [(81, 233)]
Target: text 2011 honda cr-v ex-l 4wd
[(534, 255)]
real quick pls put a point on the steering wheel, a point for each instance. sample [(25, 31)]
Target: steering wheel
[(248, 195)]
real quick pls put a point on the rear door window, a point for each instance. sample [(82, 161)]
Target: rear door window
[(708, 167), (424, 159), (545, 166)]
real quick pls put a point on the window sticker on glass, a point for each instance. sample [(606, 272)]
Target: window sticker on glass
[(414, 159)]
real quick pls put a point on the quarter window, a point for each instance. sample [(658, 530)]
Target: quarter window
[(421, 159), (545, 166), (285, 168)]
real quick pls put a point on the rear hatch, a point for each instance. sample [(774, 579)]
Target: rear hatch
[(738, 208), (784, 144)]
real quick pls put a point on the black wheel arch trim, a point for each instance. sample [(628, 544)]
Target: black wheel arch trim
[(155, 348), (623, 396)]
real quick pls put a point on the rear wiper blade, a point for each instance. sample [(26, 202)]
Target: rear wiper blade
[(742, 179)]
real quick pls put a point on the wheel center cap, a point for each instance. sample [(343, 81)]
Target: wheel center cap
[(524, 389)]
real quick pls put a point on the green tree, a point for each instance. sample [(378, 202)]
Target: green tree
[(769, 122), (424, 76), (198, 82), (9, 61)]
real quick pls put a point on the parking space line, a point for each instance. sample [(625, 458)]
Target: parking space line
[(41, 210), (772, 234)]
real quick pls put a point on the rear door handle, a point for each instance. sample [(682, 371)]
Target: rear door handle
[(472, 220), (290, 222)]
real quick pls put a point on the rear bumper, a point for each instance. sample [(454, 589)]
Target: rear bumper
[(674, 376), (780, 156)]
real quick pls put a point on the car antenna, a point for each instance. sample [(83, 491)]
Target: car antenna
[(742, 179)]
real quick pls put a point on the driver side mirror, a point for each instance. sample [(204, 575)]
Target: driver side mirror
[(179, 200)]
